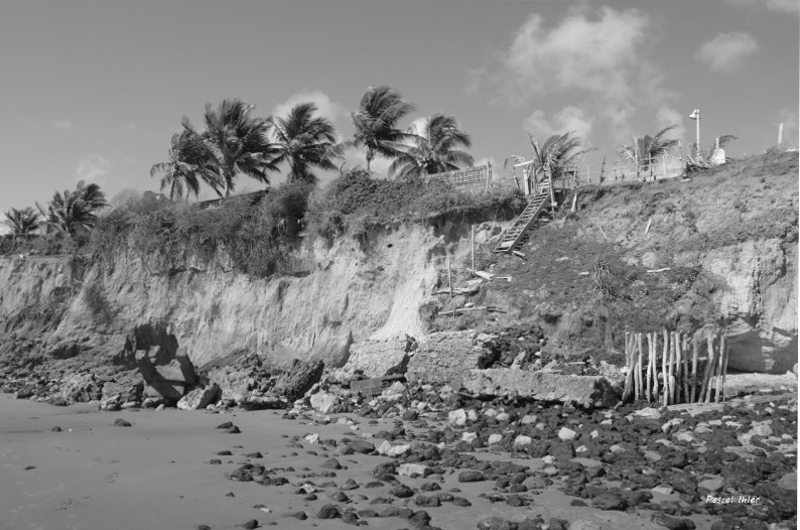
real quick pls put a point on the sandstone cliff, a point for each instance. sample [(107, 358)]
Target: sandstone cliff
[(725, 245)]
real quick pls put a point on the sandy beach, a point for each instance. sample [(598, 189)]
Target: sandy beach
[(158, 474)]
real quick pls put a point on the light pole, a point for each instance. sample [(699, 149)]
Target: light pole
[(695, 115)]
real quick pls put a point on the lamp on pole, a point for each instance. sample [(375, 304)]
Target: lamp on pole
[(695, 115)]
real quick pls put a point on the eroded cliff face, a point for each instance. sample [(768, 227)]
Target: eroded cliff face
[(349, 295), (384, 289)]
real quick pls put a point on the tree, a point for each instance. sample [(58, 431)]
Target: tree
[(71, 211), (436, 149), (22, 222), (238, 143), (188, 165), (379, 111), (556, 154), (303, 141), (648, 149)]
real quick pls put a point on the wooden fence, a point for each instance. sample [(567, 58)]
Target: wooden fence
[(684, 376), (474, 179)]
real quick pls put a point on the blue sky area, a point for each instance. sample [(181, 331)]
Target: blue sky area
[(94, 89)]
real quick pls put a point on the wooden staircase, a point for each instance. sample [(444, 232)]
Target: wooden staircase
[(513, 236)]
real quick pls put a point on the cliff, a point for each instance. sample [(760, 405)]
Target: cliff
[(721, 249)]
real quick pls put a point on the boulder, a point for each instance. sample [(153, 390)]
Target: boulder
[(376, 359), (80, 388), (172, 380), (586, 391), (199, 398), (298, 379), (325, 402)]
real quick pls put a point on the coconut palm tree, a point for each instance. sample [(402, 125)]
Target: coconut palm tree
[(71, 211), (22, 222), (303, 141), (187, 167), (434, 149), (235, 144), (375, 121), (648, 149), (556, 154)]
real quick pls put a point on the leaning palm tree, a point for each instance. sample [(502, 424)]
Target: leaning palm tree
[(22, 222), (647, 149), (188, 166), (375, 121), (237, 144), (303, 141), (558, 152), (72, 211), (434, 149)]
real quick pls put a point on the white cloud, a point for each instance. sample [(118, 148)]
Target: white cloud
[(93, 168), (598, 54), (727, 51), (62, 125), (326, 107), (597, 57), (568, 119), (778, 6)]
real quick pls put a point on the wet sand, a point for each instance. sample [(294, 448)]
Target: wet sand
[(156, 474)]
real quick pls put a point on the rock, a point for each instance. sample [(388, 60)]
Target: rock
[(360, 446), (376, 359), (402, 491), (495, 438), (325, 402), (580, 390), (788, 481), (444, 357), (457, 417), (119, 422), (608, 501), (155, 351), (112, 403), (496, 523), (410, 469), (523, 441), (387, 449), (329, 511), (471, 475), (468, 436), (673, 523), (332, 463), (711, 484), (251, 524), (298, 379), (266, 402), (79, 388), (566, 434), (56, 429), (199, 398)]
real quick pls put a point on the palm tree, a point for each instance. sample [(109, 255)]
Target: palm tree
[(647, 149), (71, 211), (436, 149), (304, 141), (22, 222), (556, 154), (379, 111), (187, 166)]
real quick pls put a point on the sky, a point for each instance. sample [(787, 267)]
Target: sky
[(93, 90)]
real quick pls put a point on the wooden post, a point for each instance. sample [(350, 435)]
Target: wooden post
[(685, 343), (664, 372), (724, 347), (626, 394), (695, 348), (472, 241), (450, 280), (671, 367), (654, 352), (718, 385), (709, 369), (639, 366), (649, 387)]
